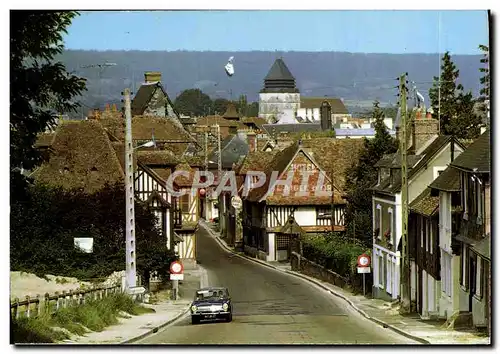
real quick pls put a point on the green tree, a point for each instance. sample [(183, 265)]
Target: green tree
[(253, 109), (443, 93), (219, 106), (193, 102), (484, 98), (40, 87), (242, 105), (52, 217), (362, 175), (453, 107)]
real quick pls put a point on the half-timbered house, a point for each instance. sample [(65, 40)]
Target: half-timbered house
[(267, 209)]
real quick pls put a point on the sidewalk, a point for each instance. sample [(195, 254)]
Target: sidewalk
[(378, 311), (137, 327)]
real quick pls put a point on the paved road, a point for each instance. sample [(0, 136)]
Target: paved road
[(271, 307)]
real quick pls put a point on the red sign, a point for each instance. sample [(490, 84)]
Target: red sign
[(176, 268), (364, 261)]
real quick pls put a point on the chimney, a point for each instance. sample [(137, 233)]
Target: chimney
[(422, 130), (252, 141), (152, 76)]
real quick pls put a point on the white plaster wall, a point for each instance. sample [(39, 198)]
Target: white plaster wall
[(272, 247), (427, 174), (274, 103), (305, 216), (478, 311)]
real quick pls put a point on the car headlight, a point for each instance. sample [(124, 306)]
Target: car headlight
[(225, 307), (194, 308)]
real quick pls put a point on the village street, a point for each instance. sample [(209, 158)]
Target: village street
[(271, 307)]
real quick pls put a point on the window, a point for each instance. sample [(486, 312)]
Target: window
[(389, 230), (479, 278), (378, 217), (464, 195), (184, 203), (480, 199), (431, 237), (446, 272), (422, 233), (389, 276), (427, 234), (381, 271)]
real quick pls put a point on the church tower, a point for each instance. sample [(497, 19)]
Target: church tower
[(279, 97)]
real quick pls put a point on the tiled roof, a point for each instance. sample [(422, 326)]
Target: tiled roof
[(258, 121), (415, 164), (83, 157), (425, 204), (476, 156), (447, 181), (158, 157), (257, 161), (337, 105), (291, 227), (231, 112), (279, 71), (183, 181), (221, 121), (272, 129), (232, 148), (142, 98), (333, 156)]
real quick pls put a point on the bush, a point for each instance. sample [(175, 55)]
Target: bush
[(335, 252), (95, 315)]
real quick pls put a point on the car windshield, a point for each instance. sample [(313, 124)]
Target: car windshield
[(210, 294)]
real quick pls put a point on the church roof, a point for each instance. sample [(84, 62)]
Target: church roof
[(279, 71)]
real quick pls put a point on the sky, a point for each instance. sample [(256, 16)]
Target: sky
[(404, 31)]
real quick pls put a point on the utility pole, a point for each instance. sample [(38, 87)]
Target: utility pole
[(405, 274), (130, 269), (333, 206), (219, 161)]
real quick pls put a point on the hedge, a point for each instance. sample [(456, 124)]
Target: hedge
[(335, 252)]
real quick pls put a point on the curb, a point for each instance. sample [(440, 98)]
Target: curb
[(181, 314), (158, 328), (363, 313)]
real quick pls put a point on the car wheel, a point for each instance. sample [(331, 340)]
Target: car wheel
[(195, 320), (229, 318)]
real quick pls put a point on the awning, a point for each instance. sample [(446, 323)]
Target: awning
[(466, 240), (483, 247), (177, 238)]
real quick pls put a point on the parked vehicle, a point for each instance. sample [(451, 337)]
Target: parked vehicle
[(211, 303)]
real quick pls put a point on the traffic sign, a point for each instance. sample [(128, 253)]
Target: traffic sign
[(364, 261), (364, 270), (236, 202), (176, 268), (176, 271)]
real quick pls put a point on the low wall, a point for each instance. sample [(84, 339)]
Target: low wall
[(307, 267), (255, 253)]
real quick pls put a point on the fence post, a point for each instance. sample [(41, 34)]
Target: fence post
[(38, 305), (64, 300), (47, 303), (28, 306), (17, 308), (58, 301)]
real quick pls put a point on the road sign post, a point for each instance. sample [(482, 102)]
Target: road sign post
[(237, 204), (176, 274), (364, 262)]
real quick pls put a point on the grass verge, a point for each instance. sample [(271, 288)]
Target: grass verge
[(95, 315)]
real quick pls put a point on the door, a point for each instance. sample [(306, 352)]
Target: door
[(472, 279)]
